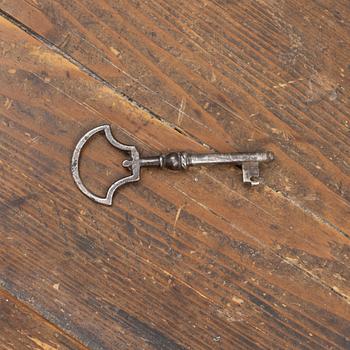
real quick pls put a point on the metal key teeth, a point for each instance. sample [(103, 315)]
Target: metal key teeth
[(174, 161), (250, 171)]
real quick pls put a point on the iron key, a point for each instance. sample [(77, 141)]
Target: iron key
[(174, 161)]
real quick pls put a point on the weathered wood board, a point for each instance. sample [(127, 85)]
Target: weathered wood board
[(21, 328), (180, 261)]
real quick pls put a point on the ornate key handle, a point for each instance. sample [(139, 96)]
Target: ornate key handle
[(135, 167), (174, 161)]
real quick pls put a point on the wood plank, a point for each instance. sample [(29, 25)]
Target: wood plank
[(301, 191), (216, 277), (275, 71), (21, 328)]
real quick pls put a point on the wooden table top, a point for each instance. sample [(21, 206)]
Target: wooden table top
[(190, 260)]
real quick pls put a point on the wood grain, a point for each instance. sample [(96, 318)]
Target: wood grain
[(21, 328), (278, 74), (190, 260)]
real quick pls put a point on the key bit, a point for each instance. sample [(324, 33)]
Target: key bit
[(174, 161)]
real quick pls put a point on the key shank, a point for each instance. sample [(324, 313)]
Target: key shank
[(182, 160)]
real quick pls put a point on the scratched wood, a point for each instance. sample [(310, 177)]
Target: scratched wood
[(21, 328), (276, 69), (192, 260)]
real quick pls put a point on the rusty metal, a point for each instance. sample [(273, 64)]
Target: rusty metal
[(174, 161)]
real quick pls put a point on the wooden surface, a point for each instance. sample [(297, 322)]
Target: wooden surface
[(188, 260), (21, 328)]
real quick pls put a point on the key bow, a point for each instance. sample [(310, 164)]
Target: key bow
[(133, 164)]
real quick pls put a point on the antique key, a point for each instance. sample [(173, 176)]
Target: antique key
[(174, 161)]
